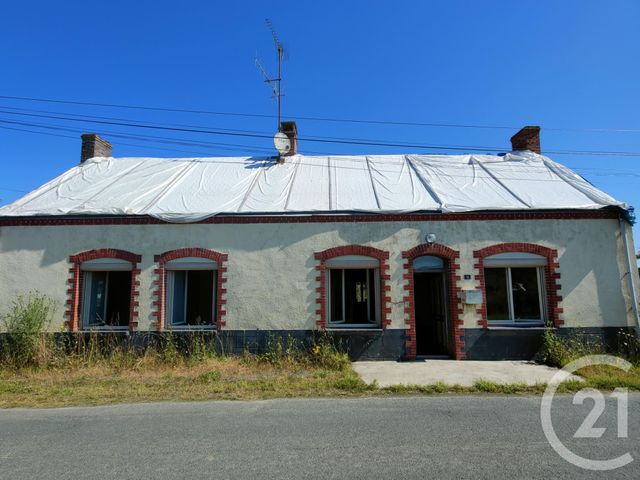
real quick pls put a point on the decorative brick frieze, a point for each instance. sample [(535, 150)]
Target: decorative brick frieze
[(551, 276), (76, 284), (320, 218), (160, 283), (321, 291), (450, 258)]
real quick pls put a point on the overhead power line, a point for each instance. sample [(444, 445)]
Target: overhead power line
[(310, 118), (136, 145), (330, 140), (141, 137), (153, 139), (149, 138), (99, 117)]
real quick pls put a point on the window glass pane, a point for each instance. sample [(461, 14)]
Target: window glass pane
[(336, 295), (526, 298), (118, 299), (108, 298), (358, 287), (200, 297), (495, 284), (356, 296), (179, 280), (96, 296)]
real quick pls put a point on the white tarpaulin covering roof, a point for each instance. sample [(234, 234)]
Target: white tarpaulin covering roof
[(191, 189)]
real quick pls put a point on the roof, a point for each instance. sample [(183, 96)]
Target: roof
[(191, 189)]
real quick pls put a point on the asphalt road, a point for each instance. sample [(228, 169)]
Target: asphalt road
[(408, 437)]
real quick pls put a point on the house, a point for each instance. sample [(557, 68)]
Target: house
[(465, 256)]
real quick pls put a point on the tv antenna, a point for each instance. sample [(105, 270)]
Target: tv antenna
[(274, 83)]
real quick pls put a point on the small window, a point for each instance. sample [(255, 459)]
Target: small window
[(106, 300), (514, 286), (353, 291), (191, 293), (428, 263)]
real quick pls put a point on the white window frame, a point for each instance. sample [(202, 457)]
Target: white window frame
[(354, 262), (101, 265), (507, 261), (189, 264)]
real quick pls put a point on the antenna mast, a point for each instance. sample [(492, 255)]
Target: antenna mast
[(275, 83)]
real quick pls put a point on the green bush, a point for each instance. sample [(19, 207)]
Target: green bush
[(558, 351), (27, 345), (26, 342)]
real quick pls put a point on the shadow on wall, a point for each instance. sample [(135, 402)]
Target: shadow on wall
[(312, 294), (577, 263), (59, 242)]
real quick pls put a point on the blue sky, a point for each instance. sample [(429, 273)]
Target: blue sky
[(569, 66)]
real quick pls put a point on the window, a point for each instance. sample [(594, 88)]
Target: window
[(427, 263), (106, 300), (514, 284), (353, 286), (191, 292)]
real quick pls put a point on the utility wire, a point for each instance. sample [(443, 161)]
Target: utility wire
[(311, 118), (119, 143), (191, 143), (334, 140), (79, 115), (149, 138), (524, 169), (140, 136)]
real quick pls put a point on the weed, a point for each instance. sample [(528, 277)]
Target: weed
[(487, 386), (279, 350), (326, 354), (558, 351), (351, 383), (629, 346), (210, 377), (25, 323), (169, 351)]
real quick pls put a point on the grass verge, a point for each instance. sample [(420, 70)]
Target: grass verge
[(219, 378), (36, 371), (234, 378)]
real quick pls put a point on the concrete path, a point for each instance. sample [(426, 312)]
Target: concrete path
[(452, 372)]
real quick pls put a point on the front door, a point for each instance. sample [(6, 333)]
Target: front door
[(430, 313)]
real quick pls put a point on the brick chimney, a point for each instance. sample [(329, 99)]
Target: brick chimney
[(93, 145), (291, 131), (528, 138)]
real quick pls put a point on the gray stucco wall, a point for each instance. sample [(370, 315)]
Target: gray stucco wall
[(271, 277)]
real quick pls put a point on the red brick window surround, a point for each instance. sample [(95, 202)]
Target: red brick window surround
[(76, 283), (551, 277), (450, 258), (321, 298), (159, 310)]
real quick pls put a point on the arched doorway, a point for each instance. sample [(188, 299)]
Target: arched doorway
[(432, 327)]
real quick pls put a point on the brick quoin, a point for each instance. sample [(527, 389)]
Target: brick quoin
[(252, 219), (450, 258), (551, 276), (160, 282), (76, 282), (321, 291)]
